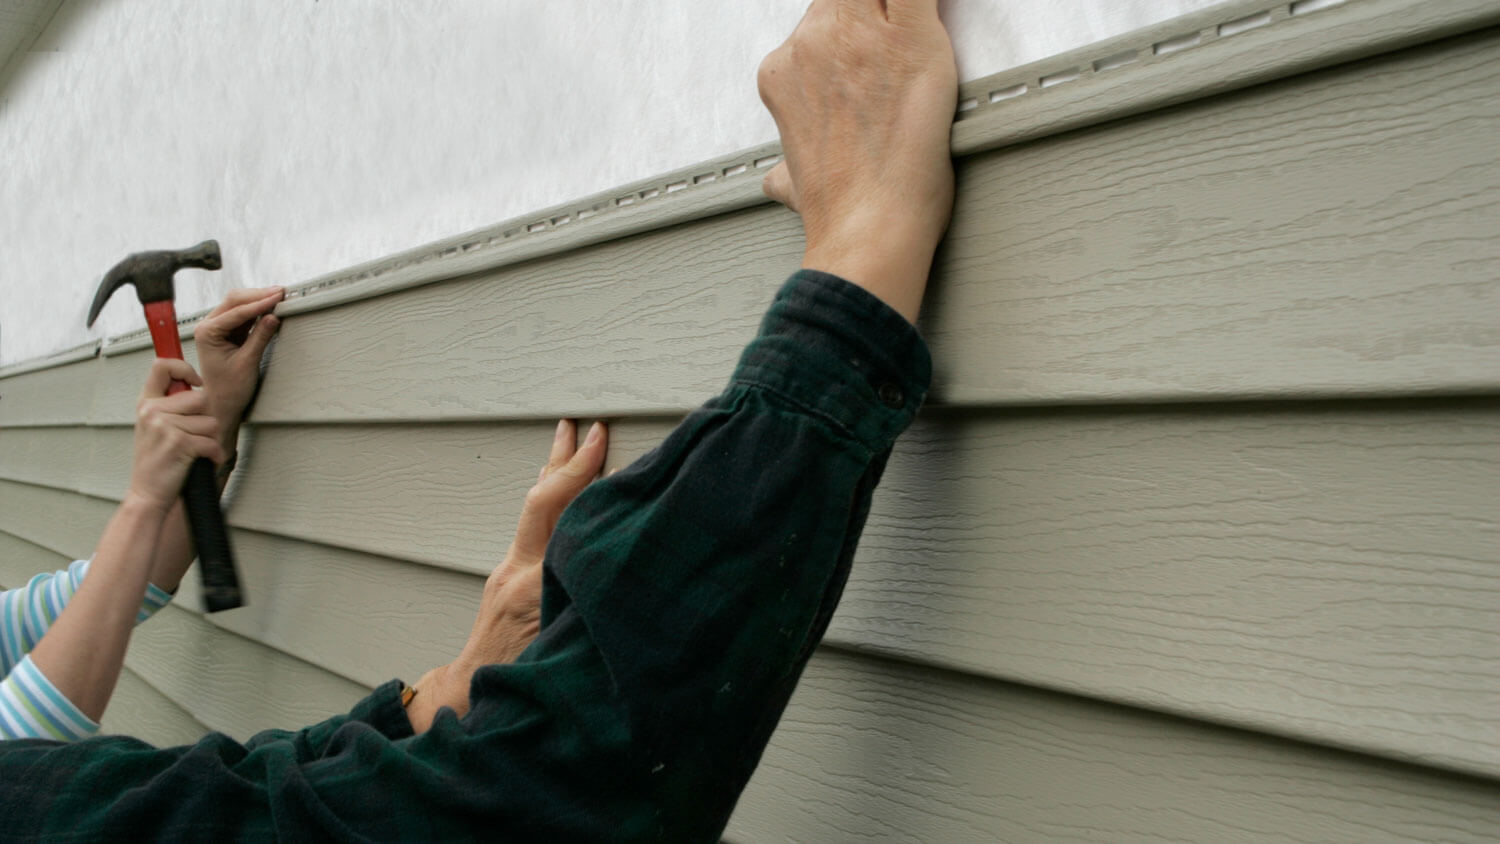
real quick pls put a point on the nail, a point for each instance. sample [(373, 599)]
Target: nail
[(562, 430), (595, 432)]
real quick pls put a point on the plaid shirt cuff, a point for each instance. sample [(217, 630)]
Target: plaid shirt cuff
[(842, 354)]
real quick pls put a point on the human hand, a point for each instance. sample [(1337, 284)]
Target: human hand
[(231, 340), (170, 433), (510, 611), (863, 94)]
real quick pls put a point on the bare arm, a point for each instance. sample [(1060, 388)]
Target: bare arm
[(82, 652), (863, 93)]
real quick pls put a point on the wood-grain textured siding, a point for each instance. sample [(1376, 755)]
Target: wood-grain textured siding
[(1196, 541)]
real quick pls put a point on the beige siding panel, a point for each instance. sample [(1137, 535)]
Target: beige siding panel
[(61, 521), (364, 617), (121, 377), (57, 456), (138, 710), (1225, 562), (54, 396), (1323, 570), (448, 495), (232, 684), (21, 559), (1246, 245), (389, 618), (877, 751), (650, 323)]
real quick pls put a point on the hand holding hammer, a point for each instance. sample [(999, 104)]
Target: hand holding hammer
[(151, 273)]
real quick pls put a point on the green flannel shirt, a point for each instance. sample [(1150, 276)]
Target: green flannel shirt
[(681, 599)]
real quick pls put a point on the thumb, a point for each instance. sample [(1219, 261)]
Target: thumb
[(260, 336), (556, 489), (778, 185)]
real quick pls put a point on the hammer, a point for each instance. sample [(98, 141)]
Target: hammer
[(151, 273)]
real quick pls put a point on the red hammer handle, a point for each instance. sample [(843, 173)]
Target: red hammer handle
[(161, 318), (200, 493)]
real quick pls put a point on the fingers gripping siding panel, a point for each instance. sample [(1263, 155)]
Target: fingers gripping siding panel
[(1328, 234), (871, 750)]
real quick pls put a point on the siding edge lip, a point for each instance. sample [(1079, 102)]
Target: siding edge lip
[(72, 355), (1091, 85), (1164, 705)]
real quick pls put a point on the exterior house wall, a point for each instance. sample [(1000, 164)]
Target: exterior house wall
[(1196, 540)]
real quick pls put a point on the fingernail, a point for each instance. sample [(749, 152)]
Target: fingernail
[(562, 429), (595, 432)]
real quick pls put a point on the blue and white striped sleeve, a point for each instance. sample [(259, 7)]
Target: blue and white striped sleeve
[(30, 707)]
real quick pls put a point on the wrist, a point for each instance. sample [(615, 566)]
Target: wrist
[(227, 411), (229, 433), (889, 255), (146, 505)]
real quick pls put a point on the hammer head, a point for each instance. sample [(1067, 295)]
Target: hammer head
[(151, 273)]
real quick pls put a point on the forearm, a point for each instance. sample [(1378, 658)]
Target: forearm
[(889, 256), (82, 652), (174, 547)]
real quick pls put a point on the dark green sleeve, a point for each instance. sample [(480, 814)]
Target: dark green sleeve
[(684, 595), (115, 787), (681, 600)]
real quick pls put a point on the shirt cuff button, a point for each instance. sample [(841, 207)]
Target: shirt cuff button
[(891, 396)]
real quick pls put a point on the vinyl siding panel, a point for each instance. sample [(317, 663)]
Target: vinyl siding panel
[(1326, 235), (138, 710), (233, 684), (59, 520), (63, 456), (871, 750), (1321, 570), (54, 396), (1196, 541)]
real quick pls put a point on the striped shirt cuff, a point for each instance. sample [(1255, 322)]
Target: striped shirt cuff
[(31, 707), (154, 599)]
